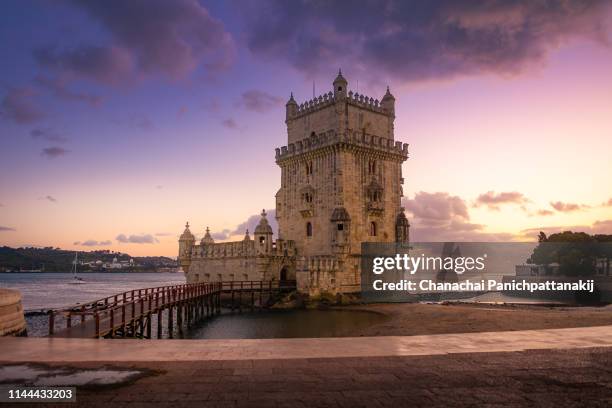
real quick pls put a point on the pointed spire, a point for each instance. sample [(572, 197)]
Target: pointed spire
[(291, 101), (340, 83), (187, 235), (207, 239), (263, 227), (388, 95)]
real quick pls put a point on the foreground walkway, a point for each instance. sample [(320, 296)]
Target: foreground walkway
[(75, 350), (543, 368)]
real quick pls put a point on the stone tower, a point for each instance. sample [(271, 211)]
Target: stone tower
[(341, 184)]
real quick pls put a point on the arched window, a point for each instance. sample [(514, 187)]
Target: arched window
[(308, 229), (308, 168), (371, 166), (372, 229)]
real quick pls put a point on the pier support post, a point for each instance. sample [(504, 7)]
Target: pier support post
[(51, 322), (179, 318), (149, 325), (170, 322), (112, 323), (159, 323)]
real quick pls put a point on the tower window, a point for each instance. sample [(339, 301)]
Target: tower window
[(374, 196), (307, 197), (262, 240), (308, 229), (340, 227), (372, 229), (339, 89), (308, 168), (372, 167)]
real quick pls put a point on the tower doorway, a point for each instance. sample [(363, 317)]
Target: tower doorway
[(283, 274)]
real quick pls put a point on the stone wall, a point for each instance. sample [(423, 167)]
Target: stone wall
[(12, 320), (246, 260)]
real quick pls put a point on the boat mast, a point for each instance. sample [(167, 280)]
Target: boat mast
[(74, 264)]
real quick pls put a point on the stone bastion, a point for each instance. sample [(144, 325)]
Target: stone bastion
[(12, 320)]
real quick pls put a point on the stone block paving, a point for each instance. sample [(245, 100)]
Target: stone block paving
[(542, 378)]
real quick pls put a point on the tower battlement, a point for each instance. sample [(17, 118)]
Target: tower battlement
[(328, 99), (339, 110), (352, 138)]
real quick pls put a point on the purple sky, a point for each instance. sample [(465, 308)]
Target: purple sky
[(120, 120)]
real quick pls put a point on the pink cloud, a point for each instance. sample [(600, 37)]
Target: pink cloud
[(567, 207), (494, 200)]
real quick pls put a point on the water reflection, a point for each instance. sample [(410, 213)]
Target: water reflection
[(285, 324)]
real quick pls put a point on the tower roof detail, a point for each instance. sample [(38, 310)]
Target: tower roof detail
[(291, 101), (187, 235), (207, 239), (340, 78), (263, 227), (388, 95)]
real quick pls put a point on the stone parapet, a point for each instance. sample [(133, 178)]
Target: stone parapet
[(328, 99), (351, 138), (236, 249), (12, 320)]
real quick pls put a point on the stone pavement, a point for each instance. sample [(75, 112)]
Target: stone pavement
[(76, 350), (544, 368), (542, 378)]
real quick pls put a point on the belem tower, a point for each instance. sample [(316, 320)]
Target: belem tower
[(341, 185)]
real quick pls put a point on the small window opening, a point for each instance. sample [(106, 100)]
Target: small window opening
[(308, 168), (372, 229), (340, 227), (308, 229), (372, 167)]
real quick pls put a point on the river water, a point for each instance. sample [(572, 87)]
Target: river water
[(55, 290)]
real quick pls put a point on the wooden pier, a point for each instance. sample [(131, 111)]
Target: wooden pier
[(133, 313)]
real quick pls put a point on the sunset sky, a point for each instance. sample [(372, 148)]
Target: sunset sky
[(120, 120)]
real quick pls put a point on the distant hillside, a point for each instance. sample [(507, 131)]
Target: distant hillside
[(52, 259)]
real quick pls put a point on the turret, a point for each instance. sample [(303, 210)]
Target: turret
[(263, 235), (402, 228), (340, 86), (247, 237), (291, 108), (186, 242), (207, 239), (388, 103)]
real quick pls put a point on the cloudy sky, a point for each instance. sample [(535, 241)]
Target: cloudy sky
[(120, 120)]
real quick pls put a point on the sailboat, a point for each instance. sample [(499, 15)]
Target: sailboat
[(75, 278)]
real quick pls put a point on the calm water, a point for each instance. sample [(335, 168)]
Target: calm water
[(54, 290), (285, 324)]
